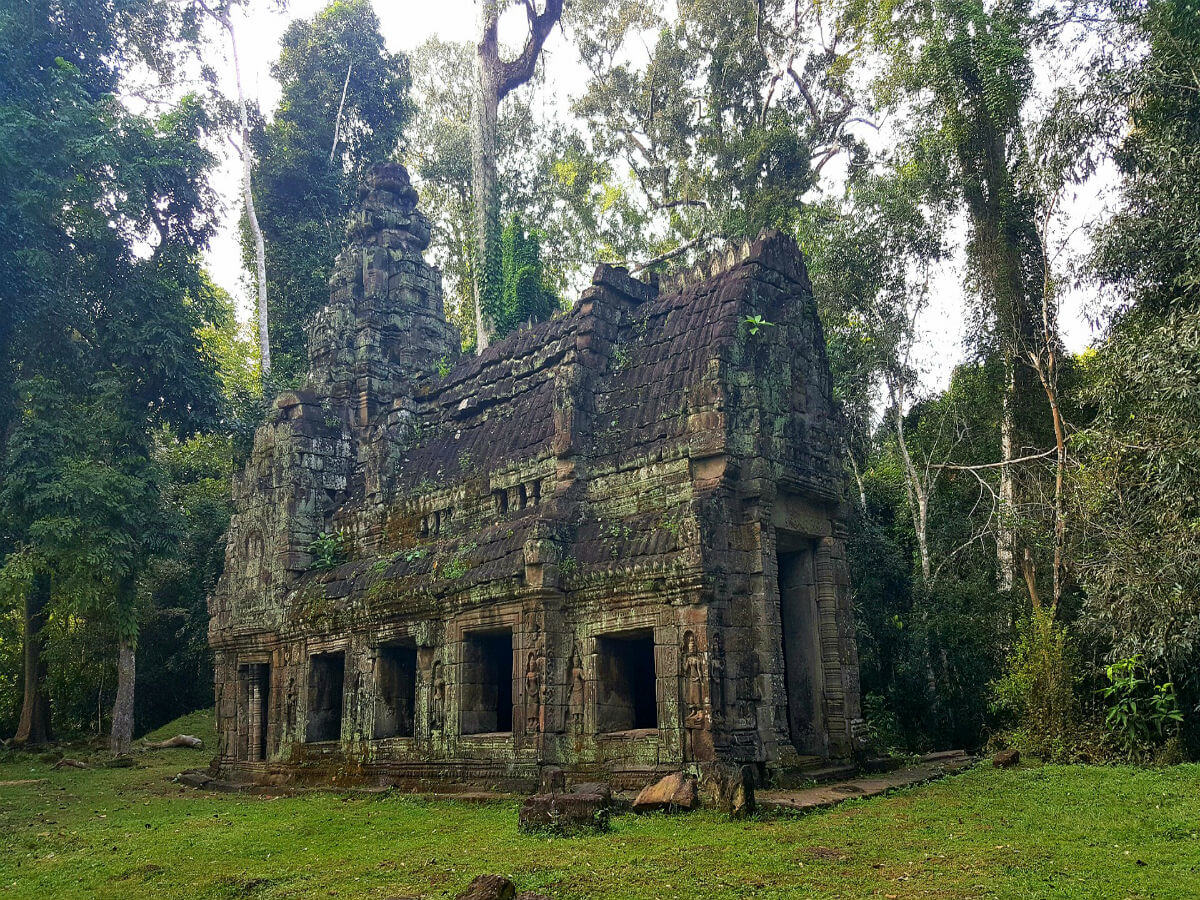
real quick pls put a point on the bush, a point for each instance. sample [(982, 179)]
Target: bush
[(1143, 717), (1037, 689)]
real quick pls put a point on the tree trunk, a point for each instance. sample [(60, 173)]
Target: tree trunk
[(34, 727), (260, 253), (494, 79), (916, 488), (485, 115), (122, 717), (1006, 530)]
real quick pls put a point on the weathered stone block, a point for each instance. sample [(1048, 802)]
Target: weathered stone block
[(564, 814), (489, 887), (671, 793)]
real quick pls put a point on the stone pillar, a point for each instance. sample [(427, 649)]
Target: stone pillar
[(254, 708), (834, 700)]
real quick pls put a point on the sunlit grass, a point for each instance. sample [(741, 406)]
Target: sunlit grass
[(1056, 831)]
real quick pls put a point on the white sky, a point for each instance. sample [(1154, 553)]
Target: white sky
[(407, 23)]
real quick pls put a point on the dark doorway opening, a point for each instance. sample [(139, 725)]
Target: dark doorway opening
[(625, 681), (800, 626), (487, 682), (326, 683), (395, 691)]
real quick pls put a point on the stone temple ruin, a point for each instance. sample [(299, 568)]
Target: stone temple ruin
[(612, 544)]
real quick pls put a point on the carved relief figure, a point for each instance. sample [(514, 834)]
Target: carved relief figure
[(437, 702), (693, 682), (534, 699), (577, 691), (293, 695), (716, 669)]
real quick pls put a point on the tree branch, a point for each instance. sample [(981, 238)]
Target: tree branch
[(337, 124), (671, 254), (515, 72)]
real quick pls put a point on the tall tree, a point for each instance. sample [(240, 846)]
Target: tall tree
[(1137, 550), (963, 70), (496, 78), (732, 117), (102, 217), (344, 106), (222, 12), (545, 170)]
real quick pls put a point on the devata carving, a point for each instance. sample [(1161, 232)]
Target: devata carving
[(613, 542)]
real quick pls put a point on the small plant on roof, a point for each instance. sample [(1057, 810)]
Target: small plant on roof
[(756, 323), (330, 549)]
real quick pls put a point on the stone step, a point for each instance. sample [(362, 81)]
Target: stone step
[(822, 796)]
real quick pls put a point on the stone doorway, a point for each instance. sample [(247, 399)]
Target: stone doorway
[(326, 684), (395, 691), (801, 637), (626, 696), (487, 682)]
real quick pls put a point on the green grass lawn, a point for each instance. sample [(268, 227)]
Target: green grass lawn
[(1052, 831)]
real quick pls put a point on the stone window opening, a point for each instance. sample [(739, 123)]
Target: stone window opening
[(395, 690), (326, 684), (255, 681), (626, 696), (486, 690), (522, 497), (501, 498), (535, 493)]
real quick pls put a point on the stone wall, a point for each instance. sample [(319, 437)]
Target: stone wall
[(605, 497)]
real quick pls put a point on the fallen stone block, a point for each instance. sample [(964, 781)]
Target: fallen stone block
[(594, 787), (552, 780), (1006, 759), (193, 779), (727, 788), (564, 814), (672, 792), (180, 740), (489, 887)]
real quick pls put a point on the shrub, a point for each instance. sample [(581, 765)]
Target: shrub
[(1142, 716), (1037, 689)]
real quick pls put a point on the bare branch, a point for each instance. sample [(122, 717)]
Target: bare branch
[(337, 124), (671, 254), (514, 73)]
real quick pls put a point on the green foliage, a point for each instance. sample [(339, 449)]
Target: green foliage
[(756, 323), (718, 137), (305, 182), (11, 660), (1037, 689), (1151, 247), (926, 653), (524, 297), (1141, 715), (1135, 494), (330, 549), (547, 174), (174, 660)]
